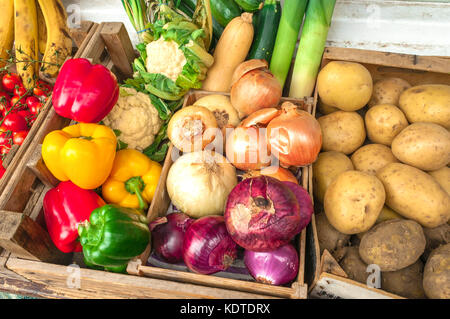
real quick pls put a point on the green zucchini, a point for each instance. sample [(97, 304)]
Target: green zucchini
[(224, 11), (249, 5), (266, 31), (186, 5)]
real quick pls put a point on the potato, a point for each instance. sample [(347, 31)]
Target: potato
[(388, 91), (352, 264), (327, 166), (384, 122), (345, 85), (387, 214), (325, 108), (442, 176), (406, 282), (220, 106), (425, 146), (372, 157), (436, 237), (329, 238), (436, 275), (342, 131), (427, 103), (353, 202), (393, 244), (415, 195)]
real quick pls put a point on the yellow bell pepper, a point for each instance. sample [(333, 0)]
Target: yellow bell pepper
[(133, 180), (83, 153)]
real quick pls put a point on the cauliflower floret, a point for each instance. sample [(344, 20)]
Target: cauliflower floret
[(164, 57), (136, 118)]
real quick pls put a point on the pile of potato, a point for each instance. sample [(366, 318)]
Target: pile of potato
[(382, 181)]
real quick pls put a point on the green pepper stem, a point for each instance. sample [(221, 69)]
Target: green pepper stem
[(135, 185)]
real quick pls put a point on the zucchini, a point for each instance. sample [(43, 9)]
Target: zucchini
[(266, 31), (249, 5), (224, 11)]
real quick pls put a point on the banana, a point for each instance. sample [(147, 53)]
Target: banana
[(42, 31), (59, 43), (26, 38), (6, 29)]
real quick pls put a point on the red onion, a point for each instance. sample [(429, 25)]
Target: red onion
[(276, 267), (305, 202), (208, 248), (262, 214), (168, 234)]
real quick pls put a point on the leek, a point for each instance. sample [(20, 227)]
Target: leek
[(137, 11), (287, 35), (311, 47)]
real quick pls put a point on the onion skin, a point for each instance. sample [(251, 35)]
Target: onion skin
[(305, 202), (280, 173), (207, 247), (277, 267), (294, 137), (255, 89), (262, 214), (168, 236)]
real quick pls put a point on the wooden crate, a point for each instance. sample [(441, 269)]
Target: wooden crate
[(330, 281), (39, 262), (160, 206)]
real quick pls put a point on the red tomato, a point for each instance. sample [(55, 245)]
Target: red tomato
[(2, 171), (28, 116), (34, 104), (42, 89), (20, 91), (14, 122), (4, 102), (18, 103), (10, 81), (5, 143), (19, 137)]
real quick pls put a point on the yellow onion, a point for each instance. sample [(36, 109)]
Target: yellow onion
[(294, 136), (246, 145), (254, 87), (192, 128), (280, 173)]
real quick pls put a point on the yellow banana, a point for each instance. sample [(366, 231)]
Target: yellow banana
[(59, 43), (42, 30), (26, 41), (6, 29)]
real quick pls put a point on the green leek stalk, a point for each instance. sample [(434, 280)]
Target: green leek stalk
[(137, 13), (311, 47), (287, 35)]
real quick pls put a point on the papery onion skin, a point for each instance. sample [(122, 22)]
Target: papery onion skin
[(277, 267), (192, 128), (207, 247), (280, 173), (305, 202), (198, 183), (262, 214), (168, 236), (255, 90), (294, 137)]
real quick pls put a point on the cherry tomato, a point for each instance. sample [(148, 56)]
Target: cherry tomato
[(5, 143), (42, 89), (20, 91), (14, 122), (34, 104), (5, 101), (2, 171), (28, 116), (19, 137), (18, 103), (10, 81)]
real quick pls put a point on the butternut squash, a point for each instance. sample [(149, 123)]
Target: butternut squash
[(231, 50)]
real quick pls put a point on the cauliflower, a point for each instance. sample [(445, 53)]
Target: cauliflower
[(135, 117), (157, 62)]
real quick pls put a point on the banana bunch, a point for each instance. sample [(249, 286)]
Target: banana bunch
[(33, 27)]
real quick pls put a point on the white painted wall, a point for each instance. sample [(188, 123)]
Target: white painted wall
[(419, 27)]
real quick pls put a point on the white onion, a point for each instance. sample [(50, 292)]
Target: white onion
[(199, 183)]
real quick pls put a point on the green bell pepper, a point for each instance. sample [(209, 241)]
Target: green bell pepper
[(113, 236)]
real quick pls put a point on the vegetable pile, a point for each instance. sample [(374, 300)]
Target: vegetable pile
[(382, 178)]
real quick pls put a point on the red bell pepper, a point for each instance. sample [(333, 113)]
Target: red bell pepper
[(84, 92), (65, 206)]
